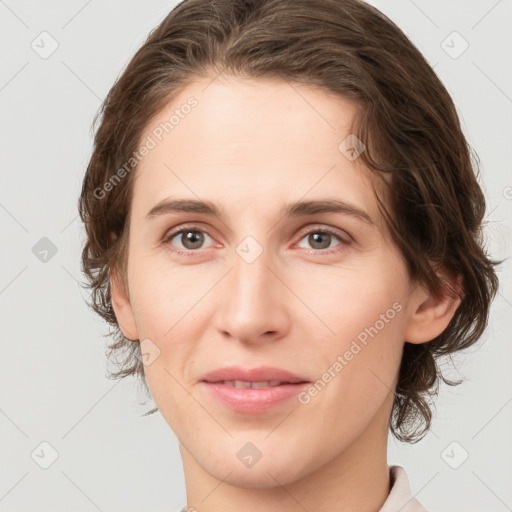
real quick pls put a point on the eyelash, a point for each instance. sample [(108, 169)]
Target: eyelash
[(167, 240)]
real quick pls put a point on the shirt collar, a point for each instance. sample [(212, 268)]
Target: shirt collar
[(400, 498)]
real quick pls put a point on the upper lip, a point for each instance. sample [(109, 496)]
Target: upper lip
[(258, 374)]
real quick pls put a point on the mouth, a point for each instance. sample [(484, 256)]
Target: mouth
[(253, 400), (252, 391), (241, 377), (247, 384)]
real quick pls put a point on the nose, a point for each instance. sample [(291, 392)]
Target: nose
[(252, 302)]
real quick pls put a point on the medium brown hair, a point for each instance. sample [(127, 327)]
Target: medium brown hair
[(406, 119)]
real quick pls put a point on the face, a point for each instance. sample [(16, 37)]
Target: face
[(318, 291)]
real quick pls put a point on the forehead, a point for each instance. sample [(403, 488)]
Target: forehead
[(252, 142)]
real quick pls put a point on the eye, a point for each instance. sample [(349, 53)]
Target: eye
[(321, 239), (190, 239)]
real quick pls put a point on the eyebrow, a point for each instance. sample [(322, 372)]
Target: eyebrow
[(293, 209)]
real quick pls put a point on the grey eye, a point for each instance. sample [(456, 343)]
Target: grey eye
[(190, 239)]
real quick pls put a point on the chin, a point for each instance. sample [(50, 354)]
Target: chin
[(274, 467), (261, 476)]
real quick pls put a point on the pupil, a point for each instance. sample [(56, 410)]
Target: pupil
[(193, 240), (318, 238)]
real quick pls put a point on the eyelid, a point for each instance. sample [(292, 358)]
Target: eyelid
[(328, 229), (171, 233)]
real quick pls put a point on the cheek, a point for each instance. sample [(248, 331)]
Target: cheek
[(352, 299), (360, 313), (357, 366), (169, 308), (166, 296)]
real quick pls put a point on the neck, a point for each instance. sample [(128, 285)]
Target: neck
[(357, 479)]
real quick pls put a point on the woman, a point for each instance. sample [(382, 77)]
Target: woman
[(283, 226)]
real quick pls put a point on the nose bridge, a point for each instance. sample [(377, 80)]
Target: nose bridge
[(251, 277), (252, 300)]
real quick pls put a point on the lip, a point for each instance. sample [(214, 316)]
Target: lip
[(260, 373), (253, 400)]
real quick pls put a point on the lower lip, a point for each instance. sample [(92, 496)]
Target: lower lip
[(255, 400)]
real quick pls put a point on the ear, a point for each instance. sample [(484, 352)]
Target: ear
[(430, 315), (123, 308)]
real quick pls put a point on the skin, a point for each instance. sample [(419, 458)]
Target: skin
[(250, 146)]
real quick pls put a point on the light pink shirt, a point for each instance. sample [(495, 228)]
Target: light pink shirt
[(399, 499)]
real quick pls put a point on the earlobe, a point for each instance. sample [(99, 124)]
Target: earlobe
[(123, 309), (431, 314)]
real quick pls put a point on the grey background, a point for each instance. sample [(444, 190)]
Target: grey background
[(53, 365)]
